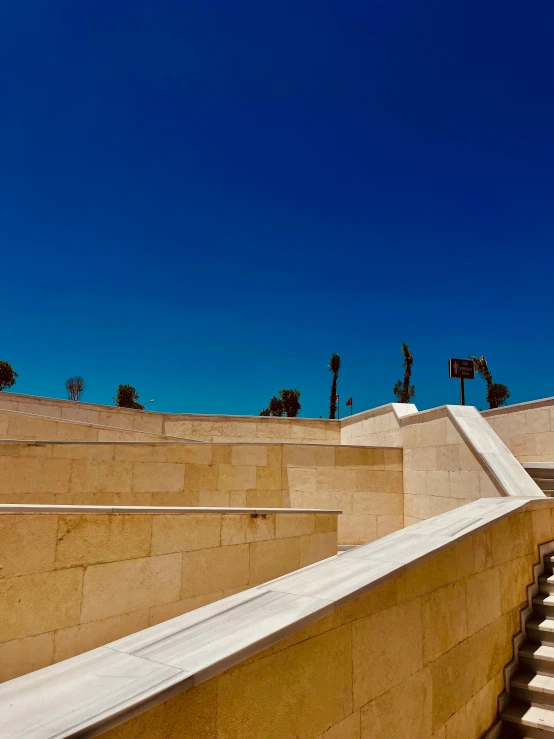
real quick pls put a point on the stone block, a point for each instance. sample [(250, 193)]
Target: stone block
[(122, 587), (185, 499), (92, 476), (380, 663), (444, 620), (35, 604), (89, 539), (512, 537), (515, 576), (249, 454), (87, 452), (326, 522), (348, 728), (417, 506), (333, 479), (265, 499), (537, 420), (232, 477), (545, 444), (34, 475), (20, 656), (28, 543), (316, 547), (140, 452), (200, 477), (78, 639), (438, 483), (483, 599), (354, 456), (424, 458), (464, 484), (482, 550), (165, 721), (289, 678), (308, 455), (159, 477), (428, 576), (434, 433), (415, 482), (380, 504), (292, 524), (273, 558), (393, 459), (212, 570), (378, 481), (300, 478), (448, 457), (268, 478), (389, 524), (441, 505), (404, 712), (357, 529), (185, 532)]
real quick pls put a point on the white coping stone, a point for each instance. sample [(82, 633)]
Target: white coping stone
[(97, 509), (73, 697)]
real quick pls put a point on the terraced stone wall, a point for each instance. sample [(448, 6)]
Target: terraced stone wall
[(73, 582)]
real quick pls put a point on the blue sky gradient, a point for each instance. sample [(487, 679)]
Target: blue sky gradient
[(205, 200)]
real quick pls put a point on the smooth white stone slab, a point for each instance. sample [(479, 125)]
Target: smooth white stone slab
[(333, 580), (213, 644), (81, 692)]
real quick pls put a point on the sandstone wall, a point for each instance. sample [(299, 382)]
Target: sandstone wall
[(69, 583), (440, 470), (527, 429), (419, 657), (198, 427), (366, 484), (17, 425)]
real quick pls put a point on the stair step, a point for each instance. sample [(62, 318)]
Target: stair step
[(541, 630), (537, 690), (537, 658), (543, 605), (532, 718)]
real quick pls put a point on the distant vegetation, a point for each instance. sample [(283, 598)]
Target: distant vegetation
[(334, 367), (497, 393), (287, 404), (403, 390), (7, 375), (75, 387), (127, 397)]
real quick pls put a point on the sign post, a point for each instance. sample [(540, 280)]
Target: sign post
[(463, 369)]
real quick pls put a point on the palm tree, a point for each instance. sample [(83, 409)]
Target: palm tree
[(497, 393), (403, 390), (334, 367)]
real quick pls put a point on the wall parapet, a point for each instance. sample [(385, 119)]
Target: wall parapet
[(109, 685)]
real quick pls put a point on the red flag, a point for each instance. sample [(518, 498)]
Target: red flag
[(349, 401)]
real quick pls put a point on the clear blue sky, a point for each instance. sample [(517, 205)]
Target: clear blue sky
[(207, 199)]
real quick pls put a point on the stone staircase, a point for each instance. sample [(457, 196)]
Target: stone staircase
[(543, 474), (530, 712)]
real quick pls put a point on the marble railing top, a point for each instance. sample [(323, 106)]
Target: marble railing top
[(99, 509), (99, 689)]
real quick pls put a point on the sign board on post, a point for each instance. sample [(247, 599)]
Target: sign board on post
[(463, 369)]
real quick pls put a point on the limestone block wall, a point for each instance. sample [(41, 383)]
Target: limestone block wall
[(198, 427), (420, 656), (17, 425), (365, 483), (441, 472), (376, 427), (527, 429), (70, 582)]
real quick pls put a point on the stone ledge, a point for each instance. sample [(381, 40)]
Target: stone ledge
[(108, 685), (98, 509)]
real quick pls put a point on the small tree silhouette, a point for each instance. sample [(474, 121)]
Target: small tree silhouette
[(334, 367), (75, 387), (403, 390)]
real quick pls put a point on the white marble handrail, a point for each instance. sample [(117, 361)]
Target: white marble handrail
[(98, 509), (87, 694)]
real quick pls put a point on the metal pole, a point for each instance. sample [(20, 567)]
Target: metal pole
[(462, 392)]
